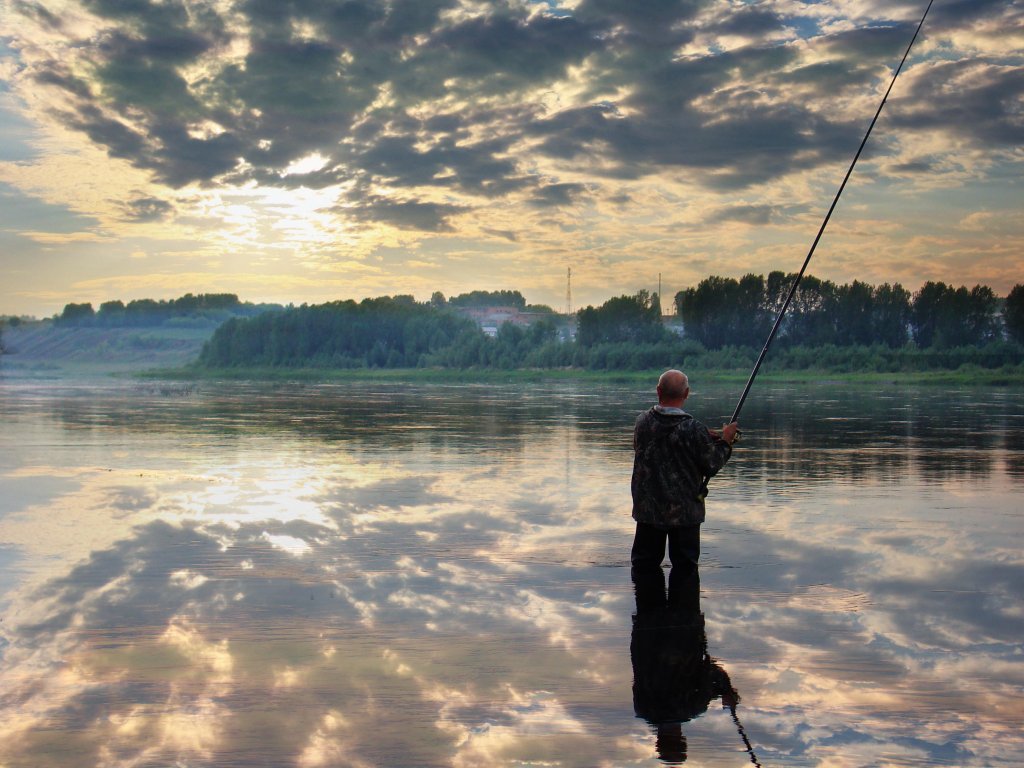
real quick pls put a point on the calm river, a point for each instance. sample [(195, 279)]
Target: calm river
[(369, 575)]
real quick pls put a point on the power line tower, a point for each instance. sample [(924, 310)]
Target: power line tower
[(568, 292)]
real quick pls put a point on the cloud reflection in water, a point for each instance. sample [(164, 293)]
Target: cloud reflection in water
[(293, 577)]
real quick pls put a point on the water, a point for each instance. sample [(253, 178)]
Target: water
[(378, 575)]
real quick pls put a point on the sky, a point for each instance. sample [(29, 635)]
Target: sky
[(312, 150)]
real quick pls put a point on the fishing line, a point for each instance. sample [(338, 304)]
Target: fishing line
[(743, 735), (821, 230), (792, 292)]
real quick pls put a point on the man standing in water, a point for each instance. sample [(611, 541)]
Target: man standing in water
[(674, 455)]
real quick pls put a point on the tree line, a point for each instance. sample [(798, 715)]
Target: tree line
[(724, 322), (202, 309), (214, 308), (384, 332), (723, 311), (625, 333), (478, 299), (398, 332)]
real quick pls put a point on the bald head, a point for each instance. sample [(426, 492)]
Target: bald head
[(673, 388)]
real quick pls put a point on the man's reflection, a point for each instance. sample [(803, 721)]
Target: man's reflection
[(674, 679)]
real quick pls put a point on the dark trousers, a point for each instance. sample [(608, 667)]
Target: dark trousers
[(649, 546)]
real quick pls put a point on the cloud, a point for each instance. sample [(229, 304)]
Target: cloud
[(64, 238), (393, 97), (405, 117), (757, 215), (30, 215), (119, 139), (466, 578), (145, 209), (406, 214), (503, 234), (16, 132), (502, 53), (556, 195), (983, 108)]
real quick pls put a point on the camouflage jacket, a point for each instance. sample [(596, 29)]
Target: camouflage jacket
[(673, 454)]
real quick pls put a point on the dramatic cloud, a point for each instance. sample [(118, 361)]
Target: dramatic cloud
[(147, 209), (414, 113)]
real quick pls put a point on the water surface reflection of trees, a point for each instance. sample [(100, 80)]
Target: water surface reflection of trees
[(812, 433)]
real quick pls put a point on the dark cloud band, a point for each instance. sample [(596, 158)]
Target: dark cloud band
[(420, 95)]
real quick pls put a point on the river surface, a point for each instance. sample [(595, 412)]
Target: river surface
[(375, 575)]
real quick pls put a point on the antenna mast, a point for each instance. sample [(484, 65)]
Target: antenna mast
[(568, 292)]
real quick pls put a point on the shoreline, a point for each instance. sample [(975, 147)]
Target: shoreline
[(65, 371), (960, 377)]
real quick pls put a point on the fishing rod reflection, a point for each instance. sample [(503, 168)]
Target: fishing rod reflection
[(674, 678)]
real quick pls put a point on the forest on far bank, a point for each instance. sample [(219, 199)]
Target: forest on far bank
[(188, 311), (720, 323)]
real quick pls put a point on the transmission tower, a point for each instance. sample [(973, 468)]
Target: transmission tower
[(568, 292)]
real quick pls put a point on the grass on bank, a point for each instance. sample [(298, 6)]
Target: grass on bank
[(965, 375)]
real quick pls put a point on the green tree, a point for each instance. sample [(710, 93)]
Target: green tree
[(981, 324), (890, 315), (945, 317), (385, 332), (145, 312), (809, 319), (621, 319), (1013, 313), (110, 313), (852, 310), (723, 311), (489, 299), (930, 303), (77, 314)]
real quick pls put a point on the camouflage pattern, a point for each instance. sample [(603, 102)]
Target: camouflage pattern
[(673, 454)]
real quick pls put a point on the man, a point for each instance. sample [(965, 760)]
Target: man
[(674, 455)]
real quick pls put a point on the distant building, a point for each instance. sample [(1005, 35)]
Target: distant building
[(490, 319), (673, 323)]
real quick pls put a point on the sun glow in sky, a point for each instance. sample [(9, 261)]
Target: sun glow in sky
[(312, 151)]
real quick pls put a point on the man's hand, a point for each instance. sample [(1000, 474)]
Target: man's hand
[(730, 432)]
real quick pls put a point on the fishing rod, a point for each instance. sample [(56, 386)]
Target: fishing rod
[(743, 735), (821, 230)]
